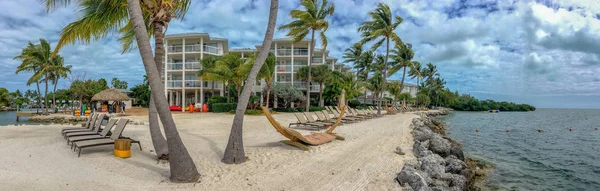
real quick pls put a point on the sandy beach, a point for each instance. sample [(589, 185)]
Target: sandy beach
[(36, 157)]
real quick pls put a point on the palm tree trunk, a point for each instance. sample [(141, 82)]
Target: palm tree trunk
[(387, 54), (158, 141), (226, 89), (182, 166), (54, 93), (234, 152), (212, 89), (312, 49), (321, 102), (268, 94), (39, 96), (46, 97)]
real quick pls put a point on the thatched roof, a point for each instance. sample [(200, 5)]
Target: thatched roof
[(110, 95)]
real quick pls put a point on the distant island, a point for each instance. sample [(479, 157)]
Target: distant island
[(467, 102)]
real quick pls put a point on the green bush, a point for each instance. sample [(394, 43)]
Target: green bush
[(250, 112), (223, 107), (217, 99), (285, 109), (353, 103), (312, 108)]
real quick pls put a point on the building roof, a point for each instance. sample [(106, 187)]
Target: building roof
[(243, 50), (194, 34)]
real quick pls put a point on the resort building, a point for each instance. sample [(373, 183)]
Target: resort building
[(184, 52), (369, 97), (182, 62)]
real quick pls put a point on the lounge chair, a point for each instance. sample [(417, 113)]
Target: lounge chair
[(80, 136), (326, 116), (361, 114), (100, 142), (88, 125), (354, 113), (337, 114), (301, 141), (310, 118), (303, 121), (95, 127)]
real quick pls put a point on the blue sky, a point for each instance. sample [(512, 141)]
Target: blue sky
[(546, 53)]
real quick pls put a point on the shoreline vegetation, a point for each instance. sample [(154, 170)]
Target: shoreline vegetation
[(440, 164)]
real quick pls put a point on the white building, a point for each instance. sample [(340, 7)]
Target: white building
[(369, 97), (185, 50)]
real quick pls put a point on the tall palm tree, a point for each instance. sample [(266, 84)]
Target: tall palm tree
[(207, 63), (402, 54), (381, 26), (430, 71), (234, 152), (322, 75), (182, 166), (101, 18), (395, 88), (354, 54), (308, 21), (37, 59), (415, 72), (267, 72), (58, 71), (367, 60), (228, 69)]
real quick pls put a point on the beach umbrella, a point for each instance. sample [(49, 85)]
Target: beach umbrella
[(342, 99)]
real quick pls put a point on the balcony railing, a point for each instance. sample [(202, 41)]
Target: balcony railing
[(192, 48), (284, 52), (284, 68), (301, 52), (193, 83), (211, 49), (174, 48), (297, 67), (192, 66), (302, 86), (175, 66), (174, 83), (317, 60)]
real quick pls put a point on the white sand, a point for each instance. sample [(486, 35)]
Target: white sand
[(38, 158)]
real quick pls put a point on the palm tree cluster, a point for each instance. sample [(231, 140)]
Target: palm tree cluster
[(38, 59)]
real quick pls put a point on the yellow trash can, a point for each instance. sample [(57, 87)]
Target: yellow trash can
[(122, 148)]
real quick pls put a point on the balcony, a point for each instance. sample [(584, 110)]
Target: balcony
[(317, 60), (302, 86), (174, 49), (301, 52), (192, 66), (284, 52), (174, 66), (193, 83), (192, 48), (284, 68), (174, 83), (211, 49), (297, 67)]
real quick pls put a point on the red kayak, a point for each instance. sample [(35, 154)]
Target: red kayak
[(175, 108)]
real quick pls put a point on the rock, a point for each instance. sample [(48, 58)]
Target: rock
[(399, 151), (420, 149), (413, 177), (439, 185), (439, 145), (433, 164), (454, 165), (422, 133), (455, 181), (457, 151)]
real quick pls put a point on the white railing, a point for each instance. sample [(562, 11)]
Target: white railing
[(211, 49), (175, 66), (174, 83), (302, 86), (174, 48), (192, 48), (301, 51), (284, 68), (192, 65), (317, 60), (193, 83), (284, 52), (297, 67)]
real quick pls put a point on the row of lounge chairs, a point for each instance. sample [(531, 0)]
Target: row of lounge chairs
[(91, 136), (323, 118)]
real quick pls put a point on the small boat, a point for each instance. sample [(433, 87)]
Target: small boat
[(494, 111)]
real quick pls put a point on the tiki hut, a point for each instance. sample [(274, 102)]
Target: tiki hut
[(110, 95)]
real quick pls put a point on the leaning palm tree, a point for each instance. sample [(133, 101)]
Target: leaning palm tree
[(308, 21), (353, 54), (37, 59), (182, 166), (234, 152), (402, 54), (267, 72), (381, 26), (101, 18), (58, 71), (415, 72)]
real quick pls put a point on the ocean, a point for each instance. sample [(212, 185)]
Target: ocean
[(525, 159), (10, 118)]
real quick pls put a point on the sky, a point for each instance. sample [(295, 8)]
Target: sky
[(544, 53)]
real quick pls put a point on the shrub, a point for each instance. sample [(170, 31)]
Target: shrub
[(353, 103), (223, 107), (285, 109), (250, 112), (217, 99), (312, 108)]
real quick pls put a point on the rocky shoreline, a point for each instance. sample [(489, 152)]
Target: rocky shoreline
[(441, 164), (57, 119)]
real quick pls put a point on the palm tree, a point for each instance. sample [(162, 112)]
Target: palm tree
[(308, 21), (354, 54), (208, 62), (381, 26), (402, 55), (58, 71), (234, 152), (415, 72), (37, 59), (267, 72), (430, 72), (395, 88), (182, 166), (321, 73), (101, 18), (228, 69)]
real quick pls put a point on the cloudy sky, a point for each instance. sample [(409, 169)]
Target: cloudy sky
[(546, 53)]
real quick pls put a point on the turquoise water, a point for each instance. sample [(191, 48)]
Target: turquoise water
[(525, 159), (10, 118)]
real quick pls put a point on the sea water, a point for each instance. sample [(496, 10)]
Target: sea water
[(10, 117), (525, 159)]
